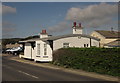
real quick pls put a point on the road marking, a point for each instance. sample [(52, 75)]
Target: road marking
[(28, 74), (21, 71), (83, 73)]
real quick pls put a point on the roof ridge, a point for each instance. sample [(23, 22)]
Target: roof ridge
[(109, 34), (107, 30)]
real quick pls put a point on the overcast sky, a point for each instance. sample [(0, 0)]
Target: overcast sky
[(22, 19)]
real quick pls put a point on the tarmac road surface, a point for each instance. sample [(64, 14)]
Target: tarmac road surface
[(16, 71)]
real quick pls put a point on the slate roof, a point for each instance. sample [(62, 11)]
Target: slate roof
[(109, 34), (69, 35), (77, 27), (29, 40), (115, 43), (59, 37)]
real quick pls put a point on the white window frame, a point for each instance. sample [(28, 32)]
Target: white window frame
[(66, 45), (38, 49), (45, 49)]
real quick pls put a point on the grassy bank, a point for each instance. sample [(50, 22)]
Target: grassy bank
[(100, 60)]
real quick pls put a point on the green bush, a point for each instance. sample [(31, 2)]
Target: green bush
[(100, 60)]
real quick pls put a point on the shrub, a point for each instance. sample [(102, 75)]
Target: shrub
[(100, 60)]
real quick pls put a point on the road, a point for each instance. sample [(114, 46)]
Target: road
[(16, 71)]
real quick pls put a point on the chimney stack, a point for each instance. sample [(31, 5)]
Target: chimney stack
[(112, 29), (43, 34), (77, 29)]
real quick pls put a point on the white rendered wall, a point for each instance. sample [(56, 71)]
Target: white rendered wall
[(33, 52), (103, 40), (27, 51), (43, 35), (41, 57), (95, 43), (74, 42), (77, 31)]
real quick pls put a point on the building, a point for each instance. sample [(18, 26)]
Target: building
[(115, 43), (41, 49), (106, 36), (13, 45)]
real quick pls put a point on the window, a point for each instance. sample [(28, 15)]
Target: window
[(87, 45), (45, 49), (65, 45), (38, 49), (84, 45)]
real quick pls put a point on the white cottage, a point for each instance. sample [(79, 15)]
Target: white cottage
[(106, 36), (40, 49)]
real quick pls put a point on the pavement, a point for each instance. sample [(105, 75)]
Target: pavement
[(68, 70)]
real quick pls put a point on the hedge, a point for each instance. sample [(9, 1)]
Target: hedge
[(100, 60)]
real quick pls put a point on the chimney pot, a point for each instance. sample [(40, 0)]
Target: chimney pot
[(74, 24), (43, 31), (43, 34), (79, 24)]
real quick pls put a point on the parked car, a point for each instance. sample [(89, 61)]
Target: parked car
[(15, 50), (8, 50), (4, 50)]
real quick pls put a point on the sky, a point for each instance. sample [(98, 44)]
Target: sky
[(23, 19)]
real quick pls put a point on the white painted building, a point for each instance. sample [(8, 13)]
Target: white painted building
[(40, 49), (106, 36)]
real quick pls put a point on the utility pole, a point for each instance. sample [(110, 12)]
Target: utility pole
[(111, 29)]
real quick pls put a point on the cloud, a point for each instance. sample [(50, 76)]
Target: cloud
[(93, 15), (60, 27), (97, 23), (8, 10), (96, 16), (8, 29)]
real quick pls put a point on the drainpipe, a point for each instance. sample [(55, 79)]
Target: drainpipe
[(99, 44), (90, 42), (31, 50)]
